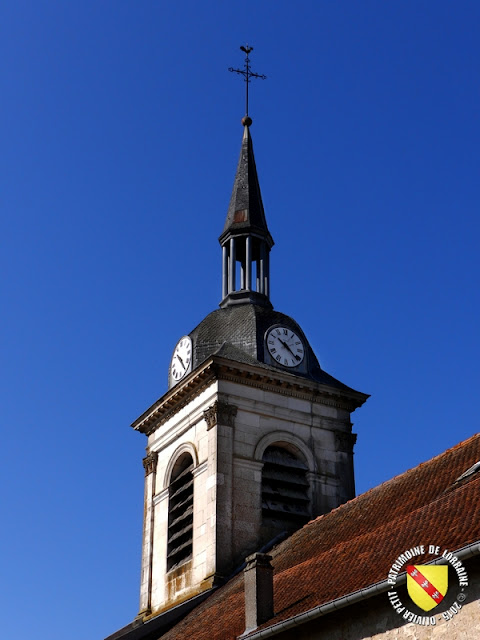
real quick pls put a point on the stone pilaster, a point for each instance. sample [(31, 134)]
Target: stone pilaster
[(220, 413), (220, 419), (345, 441), (150, 466)]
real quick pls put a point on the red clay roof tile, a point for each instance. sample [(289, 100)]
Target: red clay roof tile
[(354, 546)]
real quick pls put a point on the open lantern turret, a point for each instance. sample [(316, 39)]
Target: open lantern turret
[(246, 240)]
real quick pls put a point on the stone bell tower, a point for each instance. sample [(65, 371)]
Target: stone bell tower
[(252, 438)]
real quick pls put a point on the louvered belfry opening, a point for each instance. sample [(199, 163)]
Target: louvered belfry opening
[(180, 513), (285, 491)]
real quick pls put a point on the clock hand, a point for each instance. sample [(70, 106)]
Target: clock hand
[(181, 361), (287, 347), (297, 357)]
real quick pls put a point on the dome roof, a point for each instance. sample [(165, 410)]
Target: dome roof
[(238, 333)]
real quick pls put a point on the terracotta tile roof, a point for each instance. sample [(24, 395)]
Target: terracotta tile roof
[(354, 546)]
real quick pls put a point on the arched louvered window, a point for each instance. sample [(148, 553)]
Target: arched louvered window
[(285, 490), (180, 512)]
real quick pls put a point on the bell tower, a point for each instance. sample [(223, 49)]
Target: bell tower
[(252, 438)]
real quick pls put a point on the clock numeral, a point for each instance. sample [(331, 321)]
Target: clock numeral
[(279, 358), (279, 333), (298, 342), (273, 350), (271, 342), (285, 361), (299, 350), (285, 332), (293, 362)]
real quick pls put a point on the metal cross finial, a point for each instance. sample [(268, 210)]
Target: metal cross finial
[(247, 73)]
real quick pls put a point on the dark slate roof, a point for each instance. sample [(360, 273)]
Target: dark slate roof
[(245, 212), (238, 333), (353, 546)]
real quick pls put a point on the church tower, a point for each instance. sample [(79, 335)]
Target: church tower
[(252, 438)]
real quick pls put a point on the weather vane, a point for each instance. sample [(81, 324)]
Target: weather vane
[(247, 73)]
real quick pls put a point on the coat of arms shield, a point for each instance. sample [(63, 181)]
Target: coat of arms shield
[(427, 584)]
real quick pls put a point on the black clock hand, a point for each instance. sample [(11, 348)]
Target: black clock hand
[(181, 361), (287, 347)]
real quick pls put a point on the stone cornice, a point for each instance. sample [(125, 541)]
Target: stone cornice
[(217, 368), (289, 385), (176, 398)]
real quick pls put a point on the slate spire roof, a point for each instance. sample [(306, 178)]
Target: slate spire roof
[(245, 212)]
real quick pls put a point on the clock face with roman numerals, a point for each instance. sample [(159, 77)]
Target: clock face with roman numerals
[(285, 346), (182, 359)]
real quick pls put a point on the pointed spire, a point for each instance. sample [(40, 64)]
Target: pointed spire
[(245, 237), (245, 212)]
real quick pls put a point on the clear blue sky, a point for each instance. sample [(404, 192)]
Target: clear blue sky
[(120, 138)]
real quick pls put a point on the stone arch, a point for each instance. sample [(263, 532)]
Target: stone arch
[(286, 487), (180, 506), (290, 442), (186, 447)]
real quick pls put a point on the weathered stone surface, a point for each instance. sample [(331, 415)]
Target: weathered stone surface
[(226, 429)]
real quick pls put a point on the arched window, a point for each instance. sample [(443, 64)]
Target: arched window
[(180, 512), (285, 495)]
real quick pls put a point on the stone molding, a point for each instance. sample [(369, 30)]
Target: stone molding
[(279, 437), (247, 463), (159, 497), (334, 424), (150, 463), (220, 413), (185, 447), (345, 441), (174, 400), (202, 467), (177, 431), (223, 369), (293, 390)]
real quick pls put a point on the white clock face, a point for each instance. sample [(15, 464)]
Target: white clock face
[(285, 346), (181, 359)]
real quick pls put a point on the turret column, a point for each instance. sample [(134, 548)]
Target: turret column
[(248, 263), (267, 274), (232, 264), (224, 271), (261, 277)]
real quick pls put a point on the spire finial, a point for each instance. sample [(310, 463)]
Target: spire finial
[(247, 73)]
